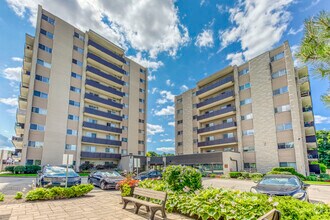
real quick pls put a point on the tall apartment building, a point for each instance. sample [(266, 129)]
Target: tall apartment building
[(79, 95), (261, 109)]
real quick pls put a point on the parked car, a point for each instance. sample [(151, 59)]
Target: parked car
[(105, 179), (151, 174), (56, 176), (282, 185)]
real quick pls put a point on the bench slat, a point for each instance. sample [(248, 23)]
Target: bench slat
[(152, 194)]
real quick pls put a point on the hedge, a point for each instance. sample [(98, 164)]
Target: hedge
[(9, 168), (287, 170), (23, 169), (235, 174)]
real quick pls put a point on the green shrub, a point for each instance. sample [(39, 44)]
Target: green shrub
[(19, 195), (9, 169), (311, 178), (284, 169), (180, 177), (235, 174), (126, 190), (255, 175), (213, 175), (2, 197), (240, 178), (32, 169), (245, 175), (288, 170), (325, 176), (19, 169), (58, 192), (323, 167)]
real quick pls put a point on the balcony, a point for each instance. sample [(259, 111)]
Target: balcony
[(22, 102), (309, 124), (312, 154), (101, 127), (102, 114), (310, 139), (217, 86), (19, 128), (218, 142), (105, 63), (104, 75), (305, 93), (99, 155), (103, 101), (216, 128), (24, 90), (26, 77), (106, 51), (303, 80), (100, 141), (307, 109), (17, 142), (215, 114), (20, 115), (104, 88), (226, 96)]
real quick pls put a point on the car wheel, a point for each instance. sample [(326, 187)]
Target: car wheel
[(103, 185)]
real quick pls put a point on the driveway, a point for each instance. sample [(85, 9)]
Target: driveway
[(317, 193)]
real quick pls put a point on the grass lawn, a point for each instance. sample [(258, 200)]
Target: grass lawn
[(29, 175), (317, 183)]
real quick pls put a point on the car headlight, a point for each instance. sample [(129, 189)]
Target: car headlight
[(298, 195), (47, 179), (253, 190)]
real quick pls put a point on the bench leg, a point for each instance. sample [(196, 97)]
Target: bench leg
[(152, 214), (147, 208), (163, 213), (125, 204), (136, 208)]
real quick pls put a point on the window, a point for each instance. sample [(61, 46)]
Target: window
[(245, 86), (91, 134), (288, 164), (141, 121), (141, 100), (43, 63), (140, 142), (279, 73), (286, 145), (245, 101), (141, 153), (74, 89), (142, 80), (73, 117), (77, 62), (180, 144), (125, 94), (71, 102), (125, 116), (78, 49), (124, 139), (142, 90), (210, 138), (89, 148), (250, 166), (194, 117), (180, 122), (46, 33), (228, 120), (141, 110), (247, 117), (194, 105), (180, 132), (248, 149), (226, 149), (40, 111), (48, 19), (45, 48), (90, 120), (248, 132), (79, 36), (280, 90), (179, 111), (228, 135), (29, 162), (195, 141), (70, 147), (284, 127), (75, 75), (126, 84), (71, 132), (40, 94), (36, 144), (109, 150), (195, 128), (124, 128), (179, 101), (277, 57), (94, 107), (37, 127), (283, 108), (142, 71), (125, 105), (37, 162), (123, 152), (42, 78), (111, 137), (141, 131), (243, 72)]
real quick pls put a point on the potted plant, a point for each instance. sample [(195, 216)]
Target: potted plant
[(126, 186)]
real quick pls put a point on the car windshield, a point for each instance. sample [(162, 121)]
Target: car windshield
[(283, 181), (53, 171), (110, 174)]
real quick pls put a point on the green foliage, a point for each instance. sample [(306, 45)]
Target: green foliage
[(19, 195), (323, 167), (235, 174), (19, 169), (325, 176), (10, 168), (58, 192), (256, 175), (32, 169), (312, 178), (86, 166), (278, 172), (126, 190), (245, 175), (180, 177), (157, 185), (152, 154), (2, 197), (323, 144), (286, 171), (213, 175), (240, 178)]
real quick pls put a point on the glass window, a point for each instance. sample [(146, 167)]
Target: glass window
[(141, 100), (78, 49), (90, 120), (286, 145), (142, 80), (247, 117), (71, 132), (36, 144), (142, 90), (250, 165), (288, 164), (245, 86), (91, 134), (179, 111), (89, 148), (140, 142), (248, 132), (39, 110), (45, 48), (43, 63), (277, 57), (74, 89), (283, 108), (124, 128), (279, 73), (73, 117), (141, 110), (77, 62), (243, 72), (40, 94), (111, 137), (71, 102), (210, 138), (79, 36), (37, 127), (280, 90), (179, 100), (246, 101), (109, 150), (42, 78), (248, 149), (29, 162), (76, 75), (124, 139), (70, 147), (228, 135), (125, 116), (46, 33), (123, 152), (37, 162), (48, 19), (284, 127), (180, 122)]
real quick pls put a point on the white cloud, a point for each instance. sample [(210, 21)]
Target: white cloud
[(321, 119), (9, 101), (167, 140), (169, 83), (152, 65), (166, 96), (12, 111), (17, 59), (169, 110), (154, 90), (222, 8), (172, 123), (166, 149), (236, 58), (294, 32), (152, 26), (154, 129), (313, 3), (205, 38), (203, 2), (12, 73), (297, 62), (149, 140), (184, 88), (151, 77), (257, 25)]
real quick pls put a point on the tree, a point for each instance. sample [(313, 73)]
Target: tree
[(323, 142), (152, 154), (315, 46)]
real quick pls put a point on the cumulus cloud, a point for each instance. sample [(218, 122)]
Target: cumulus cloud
[(154, 129), (152, 65), (166, 96), (12, 73), (17, 59), (152, 26), (5, 143), (9, 101), (169, 110), (257, 25), (169, 83), (154, 90), (294, 32), (205, 38), (151, 77), (321, 119), (167, 140), (184, 88), (166, 149), (222, 8), (172, 123), (235, 58)]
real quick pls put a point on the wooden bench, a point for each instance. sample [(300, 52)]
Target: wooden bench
[(148, 194), (271, 215)]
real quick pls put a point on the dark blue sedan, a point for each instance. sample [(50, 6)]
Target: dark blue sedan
[(56, 175), (151, 174)]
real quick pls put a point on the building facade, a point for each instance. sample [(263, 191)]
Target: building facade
[(79, 95), (261, 109)]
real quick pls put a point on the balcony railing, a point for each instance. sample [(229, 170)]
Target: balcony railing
[(101, 127), (104, 75), (306, 93), (310, 139), (217, 127), (18, 139), (312, 154), (101, 141), (215, 113), (217, 142), (107, 51), (19, 125), (216, 98), (103, 114), (307, 109), (309, 124), (21, 112), (99, 155), (105, 88), (214, 85), (104, 101), (105, 63)]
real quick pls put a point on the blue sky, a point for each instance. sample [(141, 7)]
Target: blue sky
[(180, 41)]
